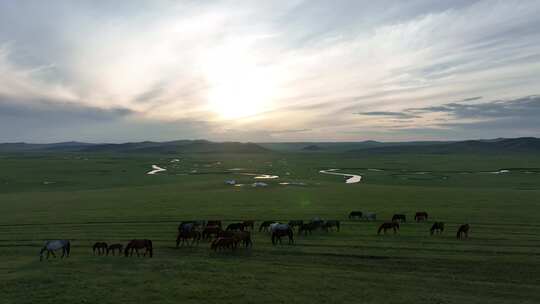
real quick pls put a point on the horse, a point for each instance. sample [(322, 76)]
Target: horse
[(317, 222), (52, 246), (185, 235), (369, 216), (296, 223), (279, 230), (244, 237), (235, 227), (399, 217), (211, 230), (265, 225), (437, 227), (249, 223), (113, 247), (463, 231), (101, 248), (355, 215), (308, 227), (388, 225), (138, 244), (421, 216), (223, 243), (214, 223), (329, 224)]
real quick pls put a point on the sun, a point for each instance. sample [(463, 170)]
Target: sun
[(238, 86)]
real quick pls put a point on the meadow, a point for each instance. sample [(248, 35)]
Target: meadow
[(89, 197)]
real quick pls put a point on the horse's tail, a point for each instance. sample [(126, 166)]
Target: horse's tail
[(380, 229), (68, 248), (149, 247), (458, 233)]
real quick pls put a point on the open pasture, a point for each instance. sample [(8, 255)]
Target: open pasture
[(102, 197)]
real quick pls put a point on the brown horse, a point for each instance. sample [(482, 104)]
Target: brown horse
[(463, 231), (249, 223), (223, 243), (244, 237), (100, 247), (114, 247), (211, 230), (437, 227), (388, 225), (138, 244), (421, 216)]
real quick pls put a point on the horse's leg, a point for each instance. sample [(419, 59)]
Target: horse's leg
[(137, 251)]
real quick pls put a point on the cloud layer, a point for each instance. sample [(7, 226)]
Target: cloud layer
[(276, 71)]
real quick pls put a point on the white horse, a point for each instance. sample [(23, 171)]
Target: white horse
[(52, 246), (369, 216)]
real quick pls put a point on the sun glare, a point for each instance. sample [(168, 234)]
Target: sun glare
[(239, 88)]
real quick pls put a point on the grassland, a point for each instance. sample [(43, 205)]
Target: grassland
[(108, 197)]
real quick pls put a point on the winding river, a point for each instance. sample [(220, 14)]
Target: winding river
[(353, 179)]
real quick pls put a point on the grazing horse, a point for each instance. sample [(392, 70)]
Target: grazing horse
[(399, 217), (369, 216), (265, 225), (388, 225), (223, 243), (101, 248), (249, 223), (355, 215), (329, 224), (279, 230), (463, 231), (211, 230), (214, 223), (305, 228), (184, 236), (244, 237), (113, 247), (52, 246), (138, 244), (437, 227), (296, 223), (235, 227), (421, 216)]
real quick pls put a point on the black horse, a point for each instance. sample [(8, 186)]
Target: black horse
[(235, 227), (306, 228), (279, 230), (399, 217), (355, 215), (463, 231), (385, 226), (437, 227)]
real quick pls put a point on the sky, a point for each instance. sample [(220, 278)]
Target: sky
[(268, 71)]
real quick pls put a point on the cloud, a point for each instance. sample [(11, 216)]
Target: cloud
[(388, 114)]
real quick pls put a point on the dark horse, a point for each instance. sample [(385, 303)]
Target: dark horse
[(463, 231), (296, 223), (214, 223), (114, 247), (211, 230), (235, 227), (265, 225), (249, 223), (184, 236), (279, 230), (244, 237), (329, 224), (52, 246), (101, 248), (138, 244), (355, 215), (399, 217), (421, 216), (386, 226), (306, 228), (437, 227)]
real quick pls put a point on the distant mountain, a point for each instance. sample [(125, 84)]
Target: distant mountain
[(180, 146), (499, 145)]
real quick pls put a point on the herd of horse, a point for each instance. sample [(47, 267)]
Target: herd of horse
[(238, 234)]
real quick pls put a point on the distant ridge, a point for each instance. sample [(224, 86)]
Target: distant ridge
[(170, 147)]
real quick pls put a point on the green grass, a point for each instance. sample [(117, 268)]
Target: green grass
[(100, 197)]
